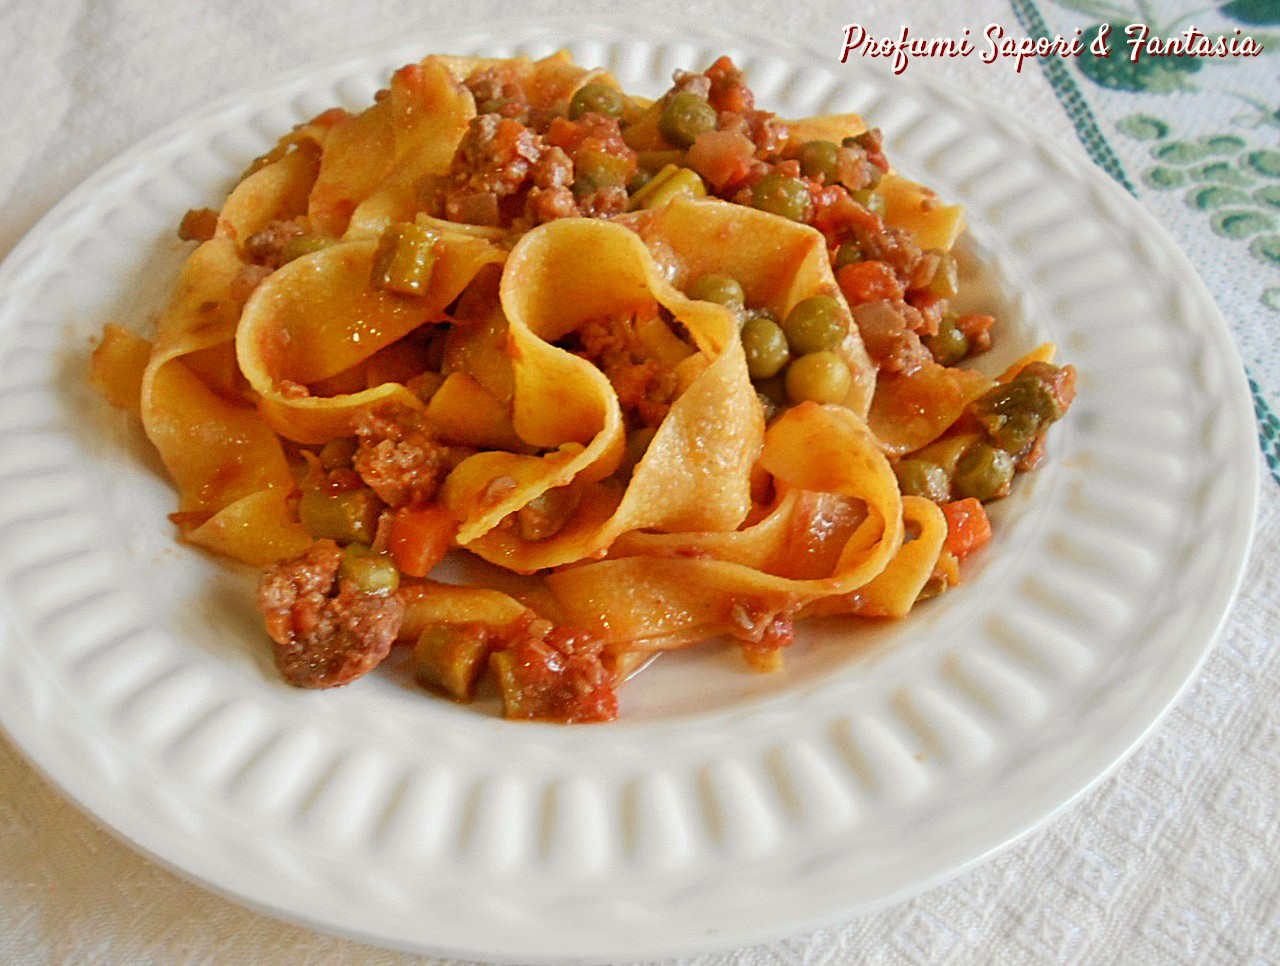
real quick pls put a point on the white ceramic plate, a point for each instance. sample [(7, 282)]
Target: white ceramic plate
[(725, 807)]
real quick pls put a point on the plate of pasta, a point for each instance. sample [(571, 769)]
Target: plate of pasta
[(575, 494)]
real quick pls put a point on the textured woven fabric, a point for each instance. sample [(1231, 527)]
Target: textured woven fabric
[(1175, 858)]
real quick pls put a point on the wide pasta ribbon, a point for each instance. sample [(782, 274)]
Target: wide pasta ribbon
[(374, 161), (695, 473), (320, 316), (666, 591), (229, 467)]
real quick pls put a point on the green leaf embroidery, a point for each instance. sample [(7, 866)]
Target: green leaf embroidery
[(1266, 248), (1252, 11), (1215, 196), (1142, 127)]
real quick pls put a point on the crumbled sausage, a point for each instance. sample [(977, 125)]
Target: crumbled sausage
[(645, 389), (398, 456), (556, 674), (326, 632)]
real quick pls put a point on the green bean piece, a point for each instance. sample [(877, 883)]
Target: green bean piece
[(848, 253), (598, 98), (818, 159), (780, 195), (950, 345), (301, 245), (685, 116), (720, 289), (667, 185), (922, 478), (982, 472), (821, 377), (946, 279), (765, 346), (450, 658), (405, 258), (600, 169), (347, 516), (338, 452), (372, 573), (814, 324), (638, 180)]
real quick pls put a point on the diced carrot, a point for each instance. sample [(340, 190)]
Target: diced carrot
[(968, 528), (420, 537), (868, 282), (721, 157)]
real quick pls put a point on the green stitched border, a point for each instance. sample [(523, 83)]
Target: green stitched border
[(1095, 142), (1268, 429), (1073, 102)]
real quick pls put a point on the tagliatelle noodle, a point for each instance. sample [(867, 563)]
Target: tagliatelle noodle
[(911, 410), (320, 315), (696, 471), (894, 591), (702, 583)]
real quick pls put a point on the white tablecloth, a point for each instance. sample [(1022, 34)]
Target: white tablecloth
[(1176, 858)]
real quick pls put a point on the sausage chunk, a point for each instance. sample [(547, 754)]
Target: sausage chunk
[(326, 632), (398, 457)]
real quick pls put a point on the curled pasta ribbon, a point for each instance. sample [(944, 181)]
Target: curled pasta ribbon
[(661, 591), (695, 474), (320, 316), (229, 467), (374, 161), (913, 409), (777, 262), (548, 84)]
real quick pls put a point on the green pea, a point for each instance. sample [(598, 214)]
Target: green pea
[(868, 199), (1012, 414), (348, 516), (848, 253), (821, 377), (765, 346), (546, 515), (918, 477), (780, 195), (720, 289), (685, 116), (338, 452), (815, 323), (372, 573), (597, 98), (982, 472), (767, 406), (818, 159), (950, 345)]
